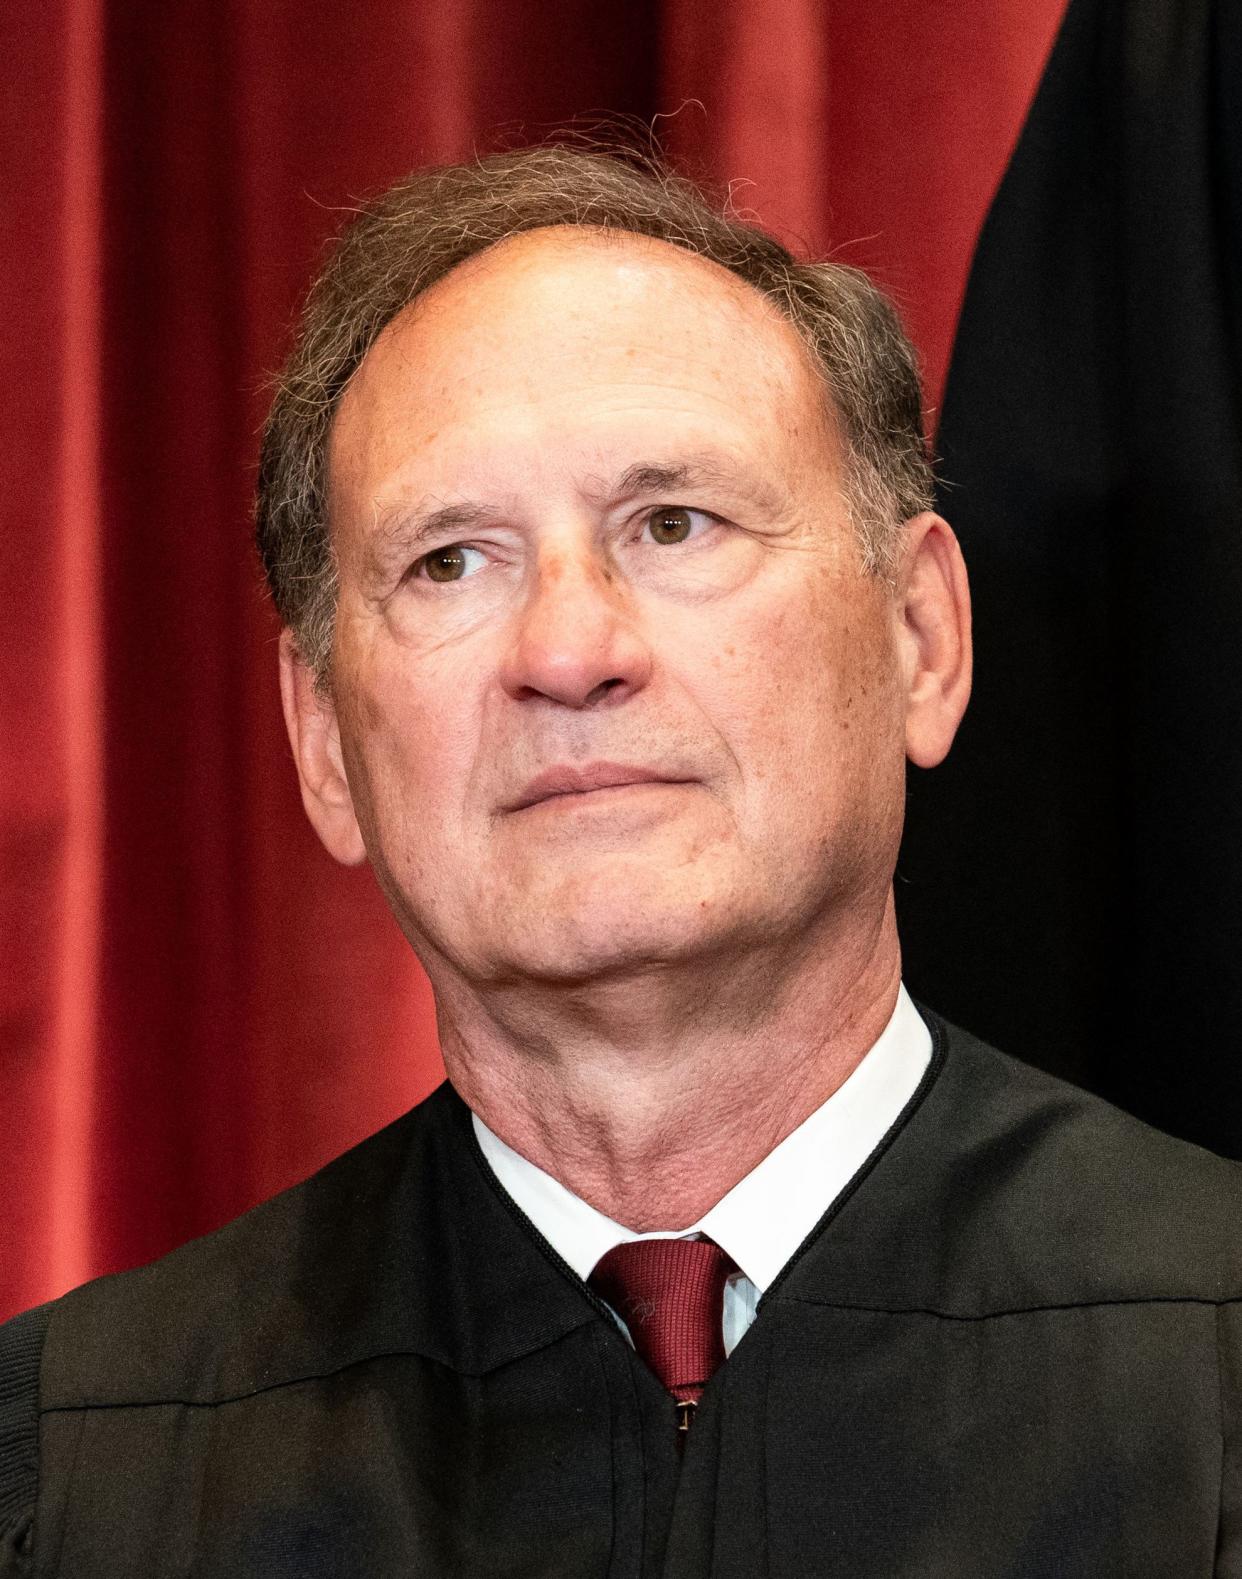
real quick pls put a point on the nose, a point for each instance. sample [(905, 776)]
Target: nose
[(575, 639)]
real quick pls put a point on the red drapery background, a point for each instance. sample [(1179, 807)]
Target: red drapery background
[(196, 1007)]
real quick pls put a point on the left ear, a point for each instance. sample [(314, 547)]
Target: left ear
[(933, 637)]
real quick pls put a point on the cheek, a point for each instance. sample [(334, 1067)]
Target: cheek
[(805, 698), (408, 749)]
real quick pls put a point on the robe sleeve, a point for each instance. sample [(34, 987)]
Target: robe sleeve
[(21, 1350), (1229, 1539)]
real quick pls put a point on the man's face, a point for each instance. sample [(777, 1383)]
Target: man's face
[(587, 510)]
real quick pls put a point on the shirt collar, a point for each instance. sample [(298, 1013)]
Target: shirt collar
[(763, 1219)]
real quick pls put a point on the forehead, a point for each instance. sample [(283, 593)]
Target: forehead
[(559, 336)]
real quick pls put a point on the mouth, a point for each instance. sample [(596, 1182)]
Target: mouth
[(565, 782)]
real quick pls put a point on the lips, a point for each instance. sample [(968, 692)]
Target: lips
[(567, 780)]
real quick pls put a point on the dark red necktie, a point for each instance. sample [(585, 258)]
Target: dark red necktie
[(670, 1294)]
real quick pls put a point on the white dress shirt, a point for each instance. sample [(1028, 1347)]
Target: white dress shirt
[(763, 1219)]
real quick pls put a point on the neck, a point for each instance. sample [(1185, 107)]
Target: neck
[(651, 1096)]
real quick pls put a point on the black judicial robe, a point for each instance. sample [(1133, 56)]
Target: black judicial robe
[(1013, 1347), (1086, 828)]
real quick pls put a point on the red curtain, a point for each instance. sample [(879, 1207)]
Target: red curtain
[(196, 1006)]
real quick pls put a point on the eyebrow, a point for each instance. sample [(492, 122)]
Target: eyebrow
[(402, 527), (398, 525), (707, 470)]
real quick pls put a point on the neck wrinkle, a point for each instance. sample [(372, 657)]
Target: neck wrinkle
[(652, 1132)]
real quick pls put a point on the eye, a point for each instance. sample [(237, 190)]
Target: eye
[(449, 563), (675, 523)]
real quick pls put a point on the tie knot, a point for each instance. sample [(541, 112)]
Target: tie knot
[(670, 1294)]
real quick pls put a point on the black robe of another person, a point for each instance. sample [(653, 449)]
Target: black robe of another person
[(1011, 1349), (1071, 879)]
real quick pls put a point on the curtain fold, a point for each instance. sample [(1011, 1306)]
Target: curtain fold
[(51, 709)]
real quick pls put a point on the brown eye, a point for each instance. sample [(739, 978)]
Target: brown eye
[(446, 564), (670, 524)]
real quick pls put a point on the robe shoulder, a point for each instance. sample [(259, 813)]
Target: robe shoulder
[(401, 1250), (21, 1350), (999, 1190), (400, 1246), (1007, 1189)]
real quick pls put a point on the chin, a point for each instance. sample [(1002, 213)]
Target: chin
[(580, 945)]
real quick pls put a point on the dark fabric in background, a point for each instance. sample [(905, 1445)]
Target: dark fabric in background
[(1071, 883), (196, 1007)]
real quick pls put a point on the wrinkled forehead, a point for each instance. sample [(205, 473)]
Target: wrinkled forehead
[(575, 327)]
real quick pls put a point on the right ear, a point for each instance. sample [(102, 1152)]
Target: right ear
[(310, 718)]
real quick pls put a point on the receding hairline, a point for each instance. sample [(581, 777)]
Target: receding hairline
[(566, 236), (565, 239), (569, 238)]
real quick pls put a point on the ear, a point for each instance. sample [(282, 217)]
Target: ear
[(934, 638), (310, 719)]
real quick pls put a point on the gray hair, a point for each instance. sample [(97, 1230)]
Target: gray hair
[(403, 242)]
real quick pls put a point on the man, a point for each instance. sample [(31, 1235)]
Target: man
[(613, 608)]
